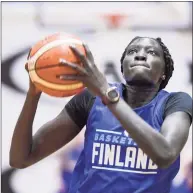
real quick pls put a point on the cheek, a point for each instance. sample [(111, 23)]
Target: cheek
[(127, 60), (157, 67)]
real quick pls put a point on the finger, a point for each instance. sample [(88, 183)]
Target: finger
[(79, 54), (70, 77), (74, 66), (88, 52)]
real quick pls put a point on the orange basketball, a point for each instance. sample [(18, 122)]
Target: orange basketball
[(44, 65)]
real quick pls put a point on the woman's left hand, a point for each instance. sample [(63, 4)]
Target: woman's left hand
[(89, 74)]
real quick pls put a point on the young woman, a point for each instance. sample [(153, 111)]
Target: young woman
[(134, 131)]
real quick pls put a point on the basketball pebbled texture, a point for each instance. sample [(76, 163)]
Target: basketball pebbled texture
[(44, 65)]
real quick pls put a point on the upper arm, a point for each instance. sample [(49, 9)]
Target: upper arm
[(175, 129), (62, 129), (52, 136), (176, 125)]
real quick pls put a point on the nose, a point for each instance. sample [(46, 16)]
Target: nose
[(140, 58)]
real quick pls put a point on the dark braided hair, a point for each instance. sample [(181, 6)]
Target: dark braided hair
[(169, 63)]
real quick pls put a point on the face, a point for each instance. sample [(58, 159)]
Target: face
[(144, 62)]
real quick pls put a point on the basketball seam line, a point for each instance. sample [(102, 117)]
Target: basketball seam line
[(33, 59)]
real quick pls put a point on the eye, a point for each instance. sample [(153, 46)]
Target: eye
[(153, 53), (132, 51)]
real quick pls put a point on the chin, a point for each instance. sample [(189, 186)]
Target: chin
[(139, 79)]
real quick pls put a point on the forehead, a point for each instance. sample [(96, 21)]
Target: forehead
[(146, 42)]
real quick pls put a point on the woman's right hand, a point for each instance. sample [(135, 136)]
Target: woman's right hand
[(33, 90)]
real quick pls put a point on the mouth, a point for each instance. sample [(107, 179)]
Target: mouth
[(142, 64)]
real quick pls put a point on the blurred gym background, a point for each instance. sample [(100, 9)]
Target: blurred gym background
[(107, 27)]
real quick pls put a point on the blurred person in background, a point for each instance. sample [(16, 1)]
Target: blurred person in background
[(68, 158), (186, 185), (135, 131)]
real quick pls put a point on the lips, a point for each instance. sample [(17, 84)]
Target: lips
[(140, 64)]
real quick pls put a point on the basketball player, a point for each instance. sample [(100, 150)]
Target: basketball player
[(134, 131)]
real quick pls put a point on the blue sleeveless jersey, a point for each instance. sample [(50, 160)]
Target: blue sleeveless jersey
[(111, 161)]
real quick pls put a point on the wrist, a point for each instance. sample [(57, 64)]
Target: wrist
[(104, 90), (111, 96), (33, 94)]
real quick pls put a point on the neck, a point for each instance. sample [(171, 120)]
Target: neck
[(137, 96)]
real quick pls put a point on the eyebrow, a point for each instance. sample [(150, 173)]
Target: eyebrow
[(146, 47)]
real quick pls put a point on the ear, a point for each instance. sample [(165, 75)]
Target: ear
[(163, 77)]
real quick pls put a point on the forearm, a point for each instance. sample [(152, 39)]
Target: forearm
[(148, 139), (22, 137)]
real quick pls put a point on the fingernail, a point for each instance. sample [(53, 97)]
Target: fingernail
[(72, 46), (62, 60), (84, 43)]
